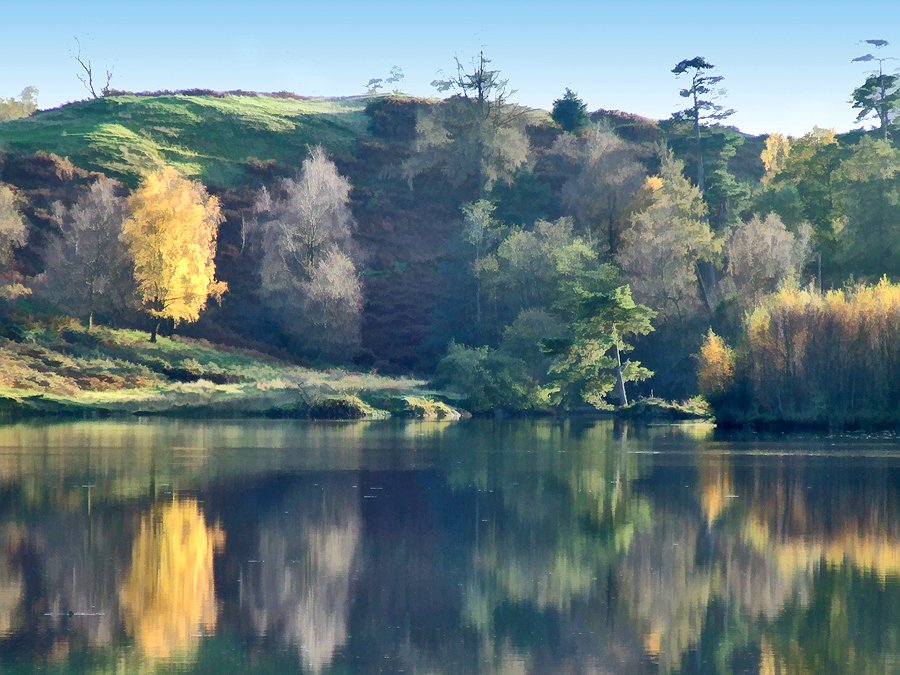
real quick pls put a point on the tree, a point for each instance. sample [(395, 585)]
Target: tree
[(13, 234), (333, 299), (866, 189), (703, 109), (483, 232), (603, 317), (475, 137), (879, 95), (171, 238), (774, 155), (803, 188), (86, 74), (662, 251), (303, 231), (570, 112), (13, 109), (761, 254), (304, 217), (601, 192), (88, 264), (376, 83)]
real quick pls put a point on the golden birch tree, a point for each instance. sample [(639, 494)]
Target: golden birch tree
[(171, 236)]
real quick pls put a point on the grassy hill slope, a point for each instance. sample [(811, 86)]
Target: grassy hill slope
[(210, 137)]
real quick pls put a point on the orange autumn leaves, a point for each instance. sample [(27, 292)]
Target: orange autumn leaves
[(804, 354)]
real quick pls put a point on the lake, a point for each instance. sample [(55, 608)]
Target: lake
[(480, 546)]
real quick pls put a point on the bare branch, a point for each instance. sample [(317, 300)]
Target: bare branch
[(87, 76)]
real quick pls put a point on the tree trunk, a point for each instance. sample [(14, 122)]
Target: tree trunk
[(701, 285), (700, 181), (90, 307), (154, 332), (620, 381)]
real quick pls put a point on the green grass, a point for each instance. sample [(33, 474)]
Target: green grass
[(654, 408), (60, 368), (207, 137)]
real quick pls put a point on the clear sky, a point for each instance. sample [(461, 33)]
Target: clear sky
[(787, 64)]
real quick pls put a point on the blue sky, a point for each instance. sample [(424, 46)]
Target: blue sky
[(786, 64)]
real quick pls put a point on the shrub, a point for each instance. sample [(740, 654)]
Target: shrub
[(715, 371), (489, 379)]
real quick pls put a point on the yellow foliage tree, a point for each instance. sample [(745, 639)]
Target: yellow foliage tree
[(774, 155), (715, 368), (171, 236)]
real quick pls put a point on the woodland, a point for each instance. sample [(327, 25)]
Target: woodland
[(510, 259)]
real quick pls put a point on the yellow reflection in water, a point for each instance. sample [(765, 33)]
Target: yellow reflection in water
[(716, 486), (168, 596)]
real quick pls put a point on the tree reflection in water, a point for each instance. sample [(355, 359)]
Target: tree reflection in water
[(505, 546), (168, 597)]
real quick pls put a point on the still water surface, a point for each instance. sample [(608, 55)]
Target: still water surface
[(511, 546)]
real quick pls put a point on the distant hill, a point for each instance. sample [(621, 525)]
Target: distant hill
[(213, 137)]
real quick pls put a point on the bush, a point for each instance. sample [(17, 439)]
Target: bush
[(488, 379), (715, 371), (807, 357)]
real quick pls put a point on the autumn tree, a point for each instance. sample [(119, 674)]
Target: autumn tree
[(774, 155), (703, 94), (475, 137), (570, 112), (13, 233), (662, 251), (171, 237), (607, 176), (761, 254), (303, 230), (87, 266), (879, 95)]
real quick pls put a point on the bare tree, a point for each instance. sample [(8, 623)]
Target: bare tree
[(86, 76), (305, 216), (761, 253), (333, 301), (87, 267), (303, 230)]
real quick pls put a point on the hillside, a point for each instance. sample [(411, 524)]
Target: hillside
[(211, 137), (414, 264)]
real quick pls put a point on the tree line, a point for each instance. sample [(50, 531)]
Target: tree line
[(581, 253)]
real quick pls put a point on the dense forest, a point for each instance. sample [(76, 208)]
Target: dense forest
[(525, 260)]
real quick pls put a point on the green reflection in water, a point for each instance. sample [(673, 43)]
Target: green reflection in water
[(507, 546)]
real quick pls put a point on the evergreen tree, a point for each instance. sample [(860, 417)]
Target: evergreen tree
[(570, 112)]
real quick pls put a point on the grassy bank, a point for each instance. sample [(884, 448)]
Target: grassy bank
[(213, 138), (54, 366)]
